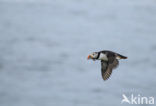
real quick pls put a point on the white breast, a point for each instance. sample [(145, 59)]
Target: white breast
[(103, 57)]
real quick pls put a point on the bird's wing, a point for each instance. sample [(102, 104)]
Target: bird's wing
[(107, 67)]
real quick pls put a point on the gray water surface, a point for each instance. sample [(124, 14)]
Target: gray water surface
[(44, 46)]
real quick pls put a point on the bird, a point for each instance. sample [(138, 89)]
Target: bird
[(109, 61)]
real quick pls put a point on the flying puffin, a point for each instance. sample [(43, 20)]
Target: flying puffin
[(109, 61)]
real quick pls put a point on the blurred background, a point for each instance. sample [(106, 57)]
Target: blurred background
[(44, 46)]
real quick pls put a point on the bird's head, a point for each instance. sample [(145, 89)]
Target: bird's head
[(93, 56)]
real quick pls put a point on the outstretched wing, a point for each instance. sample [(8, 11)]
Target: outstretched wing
[(107, 67)]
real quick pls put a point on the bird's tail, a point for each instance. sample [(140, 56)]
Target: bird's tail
[(121, 56)]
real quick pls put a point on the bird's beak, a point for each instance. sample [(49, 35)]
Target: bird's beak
[(89, 57)]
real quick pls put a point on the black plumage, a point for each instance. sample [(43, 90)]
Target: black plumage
[(109, 61)]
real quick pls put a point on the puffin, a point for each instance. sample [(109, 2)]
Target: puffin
[(109, 61)]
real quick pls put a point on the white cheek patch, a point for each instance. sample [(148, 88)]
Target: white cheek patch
[(103, 57)]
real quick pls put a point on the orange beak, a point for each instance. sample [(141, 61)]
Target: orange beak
[(88, 57)]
